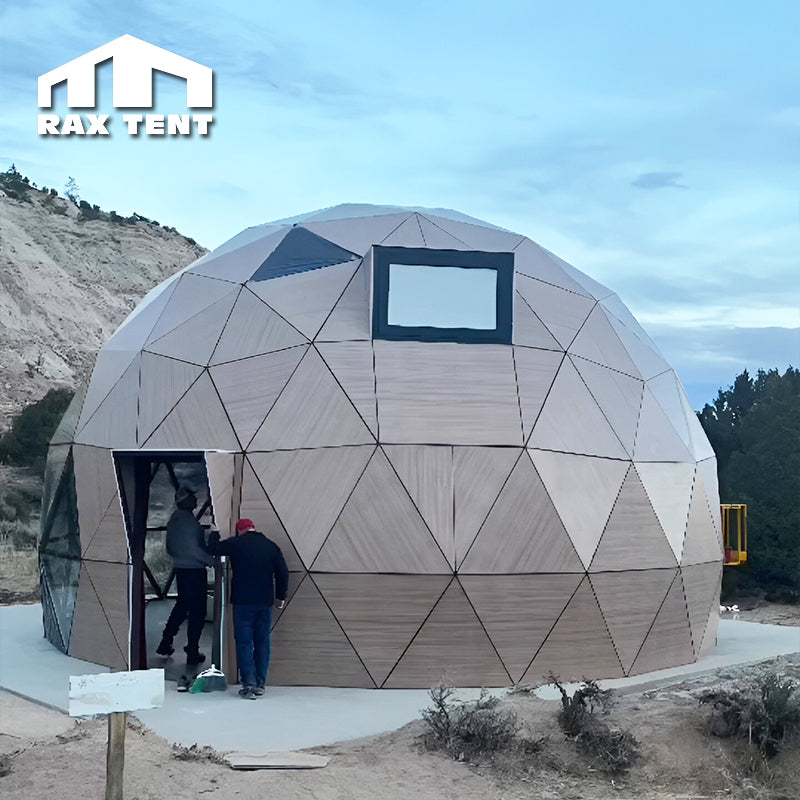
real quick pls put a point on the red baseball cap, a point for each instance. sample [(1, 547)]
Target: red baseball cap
[(245, 525)]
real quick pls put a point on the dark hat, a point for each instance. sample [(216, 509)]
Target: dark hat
[(183, 494)]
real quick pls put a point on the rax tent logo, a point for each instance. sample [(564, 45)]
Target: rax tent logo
[(134, 62)]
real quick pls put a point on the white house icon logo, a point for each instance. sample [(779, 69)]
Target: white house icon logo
[(134, 62)]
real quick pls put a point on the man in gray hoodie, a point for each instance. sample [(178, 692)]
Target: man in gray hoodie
[(186, 543)]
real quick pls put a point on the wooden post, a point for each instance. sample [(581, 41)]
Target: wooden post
[(115, 754)]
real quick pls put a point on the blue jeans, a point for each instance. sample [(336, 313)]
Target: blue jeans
[(251, 625)]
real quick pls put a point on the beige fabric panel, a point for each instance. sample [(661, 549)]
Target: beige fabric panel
[(312, 411), (309, 489), (381, 613), (478, 237), (529, 330), (707, 472), (407, 234), (100, 625), (478, 476), (305, 299), (352, 365), (572, 422), (254, 329), (701, 584), (256, 505), (221, 470), (633, 538), (249, 387), (669, 642), (629, 602), (518, 611), (350, 319), (640, 347), (113, 424), (163, 382), (701, 543), (583, 490), (669, 487), (110, 541), (438, 238), (710, 636), (427, 474), (451, 645), (536, 372), (195, 339), (95, 487), (309, 647), (110, 365), (656, 437), (358, 234), (598, 341), (561, 311), (535, 262), (667, 392), (240, 264), (197, 422), (385, 536), (523, 532), (581, 622), (618, 396), (446, 393)]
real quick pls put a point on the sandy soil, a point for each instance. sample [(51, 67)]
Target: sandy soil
[(44, 754)]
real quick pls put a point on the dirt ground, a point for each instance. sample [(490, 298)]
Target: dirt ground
[(44, 754)]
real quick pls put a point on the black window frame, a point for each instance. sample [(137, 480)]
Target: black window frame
[(502, 263)]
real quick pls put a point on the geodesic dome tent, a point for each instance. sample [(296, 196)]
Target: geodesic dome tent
[(489, 500)]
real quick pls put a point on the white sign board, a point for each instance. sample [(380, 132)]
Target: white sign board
[(115, 691)]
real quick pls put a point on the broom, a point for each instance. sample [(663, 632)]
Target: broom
[(209, 680), (213, 679)]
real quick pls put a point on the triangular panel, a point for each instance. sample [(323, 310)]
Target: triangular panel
[(710, 636), (477, 236), (656, 437), (427, 474), (253, 329), (700, 544), (306, 299), (667, 392), (699, 446), (583, 490), (529, 330), (95, 487), (350, 318), (451, 645), (196, 338), (250, 386), (407, 234), (309, 489), (588, 285), (536, 372), (256, 505), (163, 382), (352, 365), (701, 583), (633, 538), (381, 613), (523, 532), (358, 234), (110, 541), (618, 396), (239, 265), (518, 611), (669, 487), (309, 647), (109, 367), (478, 476), (579, 644), (562, 312), (645, 355), (707, 471), (438, 238), (532, 260), (629, 602), (572, 422), (198, 422), (380, 530), (300, 250), (312, 411), (669, 642), (65, 432), (598, 341)]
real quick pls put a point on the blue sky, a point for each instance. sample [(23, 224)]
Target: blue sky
[(654, 146)]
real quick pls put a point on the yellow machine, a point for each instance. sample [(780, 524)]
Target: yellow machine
[(734, 533)]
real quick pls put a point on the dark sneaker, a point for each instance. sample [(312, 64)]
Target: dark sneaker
[(194, 658), (165, 648), (247, 693), (184, 684), (258, 691)]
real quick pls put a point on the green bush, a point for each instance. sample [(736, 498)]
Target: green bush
[(25, 443)]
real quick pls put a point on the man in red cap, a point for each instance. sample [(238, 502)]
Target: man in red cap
[(260, 580)]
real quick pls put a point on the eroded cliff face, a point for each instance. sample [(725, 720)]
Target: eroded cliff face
[(68, 277)]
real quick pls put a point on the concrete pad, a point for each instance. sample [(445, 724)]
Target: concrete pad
[(22, 719), (295, 717)]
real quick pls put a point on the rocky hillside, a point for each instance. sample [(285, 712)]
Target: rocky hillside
[(69, 274)]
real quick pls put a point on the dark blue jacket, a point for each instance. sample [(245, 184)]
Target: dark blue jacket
[(260, 574)]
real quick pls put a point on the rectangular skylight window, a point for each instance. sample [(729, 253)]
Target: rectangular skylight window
[(428, 295), (442, 297)]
